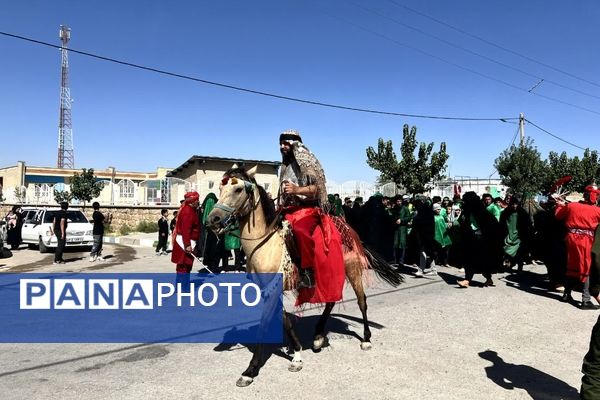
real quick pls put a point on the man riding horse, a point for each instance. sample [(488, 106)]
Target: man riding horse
[(302, 198)]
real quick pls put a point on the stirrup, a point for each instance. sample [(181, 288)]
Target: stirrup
[(307, 279)]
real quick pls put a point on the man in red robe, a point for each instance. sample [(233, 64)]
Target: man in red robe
[(302, 196), (581, 220), (186, 233)]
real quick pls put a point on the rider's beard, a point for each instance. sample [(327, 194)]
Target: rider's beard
[(287, 157)]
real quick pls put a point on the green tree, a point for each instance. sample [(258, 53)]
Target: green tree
[(85, 186), (522, 169), (62, 195), (416, 170), (559, 165), (588, 171), (584, 170)]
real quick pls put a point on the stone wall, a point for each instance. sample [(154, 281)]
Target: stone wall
[(121, 215)]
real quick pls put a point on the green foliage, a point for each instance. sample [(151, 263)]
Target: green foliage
[(416, 170), (108, 228), (125, 230), (584, 171), (60, 196), (522, 169), (146, 227), (85, 187), (588, 170)]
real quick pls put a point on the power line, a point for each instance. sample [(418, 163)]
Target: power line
[(457, 46), (555, 136), (418, 50), (494, 44), (514, 137), (512, 142), (257, 92)]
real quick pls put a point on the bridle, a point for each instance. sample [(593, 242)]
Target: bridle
[(233, 214), (231, 221)]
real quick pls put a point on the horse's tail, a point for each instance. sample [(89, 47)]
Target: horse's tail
[(382, 268), (367, 257)]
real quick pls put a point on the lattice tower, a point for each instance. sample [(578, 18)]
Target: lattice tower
[(66, 156)]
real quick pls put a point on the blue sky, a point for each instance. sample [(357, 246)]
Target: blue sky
[(330, 51)]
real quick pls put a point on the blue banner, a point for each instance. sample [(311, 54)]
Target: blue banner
[(140, 308)]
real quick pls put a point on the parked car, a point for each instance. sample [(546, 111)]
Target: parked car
[(36, 230)]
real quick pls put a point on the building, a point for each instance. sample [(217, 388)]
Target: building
[(204, 173), (166, 186)]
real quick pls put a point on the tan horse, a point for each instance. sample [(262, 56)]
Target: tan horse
[(248, 203)]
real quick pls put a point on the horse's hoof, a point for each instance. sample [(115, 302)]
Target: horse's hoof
[(366, 345), (295, 366), (244, 381), (319, 342)]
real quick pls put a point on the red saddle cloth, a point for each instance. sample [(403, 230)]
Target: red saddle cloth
[(329, 266)]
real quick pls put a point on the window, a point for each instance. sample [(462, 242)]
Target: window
[(42, 192), (266, 186), (211, 184), (126, 189), (152, 195), (72, 216)]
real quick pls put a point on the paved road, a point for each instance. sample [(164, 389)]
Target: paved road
[(431, 341)]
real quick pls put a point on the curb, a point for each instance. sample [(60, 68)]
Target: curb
[(129, 241)]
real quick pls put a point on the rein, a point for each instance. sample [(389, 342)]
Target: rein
[(229, 223)]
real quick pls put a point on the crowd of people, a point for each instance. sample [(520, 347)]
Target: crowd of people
[(482, 235)]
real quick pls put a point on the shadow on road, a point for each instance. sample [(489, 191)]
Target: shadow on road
[(452, 279), (538, 384), (530, 282), (304, 327)]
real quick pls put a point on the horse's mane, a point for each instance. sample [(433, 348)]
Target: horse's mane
[(268, 206)]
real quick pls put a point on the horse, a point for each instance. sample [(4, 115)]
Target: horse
[(242, 199)]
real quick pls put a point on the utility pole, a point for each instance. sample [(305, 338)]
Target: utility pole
[(522, 128)]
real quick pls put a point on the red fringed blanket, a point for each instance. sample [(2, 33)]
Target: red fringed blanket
[(328, 258)]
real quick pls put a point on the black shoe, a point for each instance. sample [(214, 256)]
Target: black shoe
[(567, 298), (588, 305), (306, 280)]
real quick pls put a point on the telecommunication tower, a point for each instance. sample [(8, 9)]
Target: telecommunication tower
[(66, 157)]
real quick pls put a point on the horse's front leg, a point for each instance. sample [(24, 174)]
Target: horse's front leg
[(297, 363), (252, 371), (320, 338)]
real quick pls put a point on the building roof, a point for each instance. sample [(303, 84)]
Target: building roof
[(203, 159)]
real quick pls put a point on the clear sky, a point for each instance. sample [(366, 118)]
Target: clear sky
[(333, 51)]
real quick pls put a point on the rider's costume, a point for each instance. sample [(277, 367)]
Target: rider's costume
[(316, 237)]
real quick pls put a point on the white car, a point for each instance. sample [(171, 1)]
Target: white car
[(36, 228)]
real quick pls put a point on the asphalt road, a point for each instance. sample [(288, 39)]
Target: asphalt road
[(431, 340)]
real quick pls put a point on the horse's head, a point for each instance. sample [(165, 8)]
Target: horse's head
[(236, 199)]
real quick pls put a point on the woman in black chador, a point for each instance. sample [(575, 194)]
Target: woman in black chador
[(482, 241)]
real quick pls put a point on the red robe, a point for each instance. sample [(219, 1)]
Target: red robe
[(581, 221), (326, 256), (188, 226)]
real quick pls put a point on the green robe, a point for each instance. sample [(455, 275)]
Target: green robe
[(441, 231), (232, 242), (401, 233), (494, 210), (512, 240)]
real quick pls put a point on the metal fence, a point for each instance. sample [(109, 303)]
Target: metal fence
[(167, 191)]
